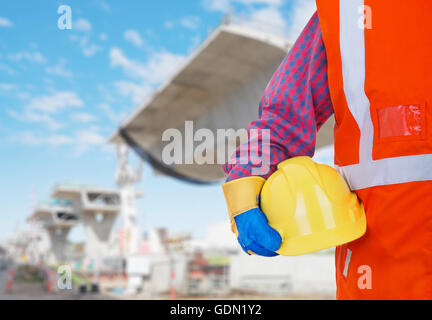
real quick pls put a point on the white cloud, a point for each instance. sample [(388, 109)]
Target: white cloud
[(109, 113), (36, 57), (83, 117), (82, 25), (42, 109), (159, 66), (88, 48), (5, 22), (262, 2), (81, 141), (269, 19), (31, 139), (55, 102), (169, 24), (59, 70), (267, 15), (131, 67), (23, 95), (103, 36), (7, 69), (217, 5), (262, 15), (35, 117), (195, 41), (103, 5), (91, 50), (6, 86), (227, 5), (191, 22), (303, 11), (134, 37), (87, 137), (15, 90), (86, 140), (83, 39), (137, 92)]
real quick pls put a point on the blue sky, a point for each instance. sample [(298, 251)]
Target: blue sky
[(63, 92)]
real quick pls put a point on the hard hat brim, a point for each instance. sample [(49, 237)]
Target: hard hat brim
[(325, 240)]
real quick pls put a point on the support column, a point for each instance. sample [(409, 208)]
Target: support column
[(98, 230), (126, 179), (58, 241)]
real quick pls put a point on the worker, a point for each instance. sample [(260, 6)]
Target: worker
[(368, 62)]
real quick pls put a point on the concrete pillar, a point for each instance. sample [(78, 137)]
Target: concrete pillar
[(58, 241), (98, 228)]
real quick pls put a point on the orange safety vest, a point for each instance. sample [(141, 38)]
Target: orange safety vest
[(380, 78)]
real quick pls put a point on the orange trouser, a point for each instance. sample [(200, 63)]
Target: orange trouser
[(394, 259)]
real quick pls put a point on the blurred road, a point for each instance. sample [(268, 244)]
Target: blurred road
[(35, 291)]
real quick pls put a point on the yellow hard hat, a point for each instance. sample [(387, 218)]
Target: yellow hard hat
[(311, 206)]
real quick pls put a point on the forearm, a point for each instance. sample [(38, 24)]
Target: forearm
[(295, 104)]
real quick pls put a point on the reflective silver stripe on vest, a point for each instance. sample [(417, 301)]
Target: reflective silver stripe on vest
[(388, 171), (369, 173), (347, 262)]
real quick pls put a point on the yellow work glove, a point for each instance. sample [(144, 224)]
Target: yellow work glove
[(248, 222)]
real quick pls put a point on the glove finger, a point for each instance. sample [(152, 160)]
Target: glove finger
[(243, 246), (267, 237), (259, 250)]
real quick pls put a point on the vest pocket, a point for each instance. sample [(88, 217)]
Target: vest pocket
[(400, 130), (401, 121)]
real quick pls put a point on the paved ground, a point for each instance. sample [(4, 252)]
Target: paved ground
[(249, 297), (35, 291)]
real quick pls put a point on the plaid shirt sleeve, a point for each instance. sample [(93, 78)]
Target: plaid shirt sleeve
[(295, 104)]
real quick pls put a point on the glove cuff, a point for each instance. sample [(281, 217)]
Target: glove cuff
[(241, 196)]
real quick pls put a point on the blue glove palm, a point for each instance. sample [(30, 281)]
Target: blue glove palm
[(255, 235)]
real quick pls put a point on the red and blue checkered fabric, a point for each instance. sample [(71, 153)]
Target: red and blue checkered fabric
[(295, 104)]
